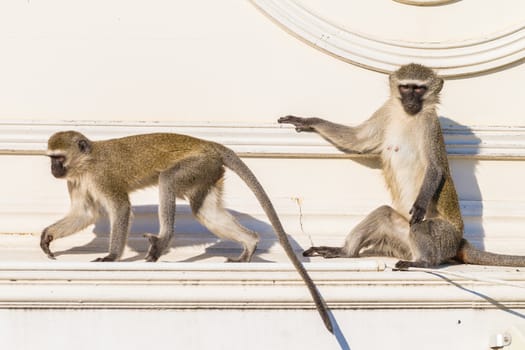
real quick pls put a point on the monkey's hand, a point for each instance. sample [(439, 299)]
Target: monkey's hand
[(45, 239), (109, 257), (301, 124), (154, 250), (418, 214)]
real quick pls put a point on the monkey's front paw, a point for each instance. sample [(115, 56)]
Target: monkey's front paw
[(301, 124), (418, 214), (107, 258), (45, 240)]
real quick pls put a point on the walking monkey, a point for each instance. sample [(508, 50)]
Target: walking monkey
[(101, 174)]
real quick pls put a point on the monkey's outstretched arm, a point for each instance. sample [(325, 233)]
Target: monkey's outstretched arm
[(364, 138)]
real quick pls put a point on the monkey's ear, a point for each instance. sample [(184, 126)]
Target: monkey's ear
[(84, 146)]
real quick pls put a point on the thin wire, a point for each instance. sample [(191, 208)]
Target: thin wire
[(468, 276)]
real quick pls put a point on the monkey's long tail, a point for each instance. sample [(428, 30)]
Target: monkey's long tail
[(470, 255), (232, 161)]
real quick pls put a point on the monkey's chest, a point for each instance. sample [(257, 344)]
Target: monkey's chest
[(403, 165)]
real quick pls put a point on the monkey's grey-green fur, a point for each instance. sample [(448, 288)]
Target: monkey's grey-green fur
[(101, 174), (423, 227)]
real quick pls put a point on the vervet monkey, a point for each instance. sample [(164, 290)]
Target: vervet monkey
[(423, 227), (101, 174)]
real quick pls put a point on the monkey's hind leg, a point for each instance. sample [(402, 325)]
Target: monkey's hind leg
[(210, 212), (423, 248), (383, 232), (325, 252), (432, 242), (167, 207)]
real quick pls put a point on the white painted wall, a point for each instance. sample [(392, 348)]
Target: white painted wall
[(198, 66), (162, 60), (208, 63), (226, 61), (115, 67)]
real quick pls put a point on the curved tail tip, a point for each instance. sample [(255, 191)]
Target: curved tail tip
[(326, 315), (330, 327)]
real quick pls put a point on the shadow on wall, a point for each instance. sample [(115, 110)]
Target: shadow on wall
[(462, 145), (188, 232)]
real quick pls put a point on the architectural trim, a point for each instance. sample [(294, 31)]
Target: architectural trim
[(259, 140), (450, 59), (354, 283), (425, 2)]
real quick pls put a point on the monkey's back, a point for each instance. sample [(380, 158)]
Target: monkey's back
[(136, 161)]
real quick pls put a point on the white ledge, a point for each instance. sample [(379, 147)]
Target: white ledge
[(351, 283), (260, 140)]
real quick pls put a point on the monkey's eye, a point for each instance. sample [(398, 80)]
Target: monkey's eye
[(404, 88), (420, 90), (58, 158)]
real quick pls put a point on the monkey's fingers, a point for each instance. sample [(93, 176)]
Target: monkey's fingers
[(107, 258), (50, 254), (402, 265), (312, 251), (300, 124), (45, 240), (290, 119), (325, 252), (154, 251), (418, 214)]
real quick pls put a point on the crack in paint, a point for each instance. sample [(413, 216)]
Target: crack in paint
[(299, 204)]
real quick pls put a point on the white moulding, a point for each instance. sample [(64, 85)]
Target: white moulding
[(450, 59), (260, 140), (354, 283)]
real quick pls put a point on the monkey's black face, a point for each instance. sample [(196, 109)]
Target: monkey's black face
[(57, 166), (412, 97)]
